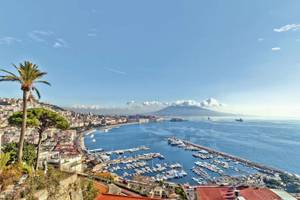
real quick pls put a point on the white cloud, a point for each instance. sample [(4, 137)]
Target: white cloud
[(186, 103), (116, 71), (92, 34), (86, 106), (40, 35), (287, 27), (276, 49), (260, 39), (211, 102), (134, 107), (60, 43), (48, 38), (9, 40)]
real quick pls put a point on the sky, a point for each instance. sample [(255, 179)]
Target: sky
[(245, 53)]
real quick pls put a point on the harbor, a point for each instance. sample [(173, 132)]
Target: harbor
[(210, 166), (188, 145), (154, 155), (129, 163)]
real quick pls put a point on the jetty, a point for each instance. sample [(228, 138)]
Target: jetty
[(258, 166)]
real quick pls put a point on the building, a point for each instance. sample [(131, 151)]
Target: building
[(104, 191), (119, 197), (240, 193)]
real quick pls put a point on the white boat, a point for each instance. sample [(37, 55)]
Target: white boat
[(105, 130), (92, 136), (94, 140)]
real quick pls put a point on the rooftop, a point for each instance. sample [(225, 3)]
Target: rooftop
[(248, 193)]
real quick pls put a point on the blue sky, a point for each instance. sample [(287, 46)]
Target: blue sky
[(243, 53)]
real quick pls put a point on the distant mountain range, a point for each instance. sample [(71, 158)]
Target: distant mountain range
[(188, 110)]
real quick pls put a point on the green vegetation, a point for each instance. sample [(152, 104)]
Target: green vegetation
[(29, 154), (89, 192), (292, 183), (40, 181), (180, 192), (4, 158), (28, 76), (11, 174), (41, 119)]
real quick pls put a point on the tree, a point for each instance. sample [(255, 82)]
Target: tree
[(41, 119), (28, 75), (29, 153)]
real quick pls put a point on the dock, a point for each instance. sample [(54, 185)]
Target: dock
[(258, 166)]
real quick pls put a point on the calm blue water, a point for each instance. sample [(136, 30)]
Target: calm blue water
[(273, 143)]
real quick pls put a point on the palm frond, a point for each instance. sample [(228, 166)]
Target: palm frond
[(9, 78), (8, 72), (37, 92), (45, 82)]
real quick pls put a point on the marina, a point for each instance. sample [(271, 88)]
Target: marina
[(136, 161), (262, 168), (163, 151)]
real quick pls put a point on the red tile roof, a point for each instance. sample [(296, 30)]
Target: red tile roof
[(259, 194), (215, 193), (228, 193)]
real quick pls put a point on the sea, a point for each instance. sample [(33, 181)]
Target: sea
[(274, 143)]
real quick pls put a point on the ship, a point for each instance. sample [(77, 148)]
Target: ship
[(176, 120), (239, 120)]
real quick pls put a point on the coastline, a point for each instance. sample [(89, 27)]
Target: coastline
[(116, 126), (80, 139)]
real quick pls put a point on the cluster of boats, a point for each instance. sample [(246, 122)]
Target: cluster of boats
[(199, 180), (162, 171), (210, 167), (171, 174), (223, 164), (122, 151), (202, 156), (201, 172), (173, 141)]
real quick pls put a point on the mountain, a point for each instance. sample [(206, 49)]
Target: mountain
[(188, 110)]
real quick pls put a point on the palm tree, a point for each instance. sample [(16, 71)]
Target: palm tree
[(28, 75)]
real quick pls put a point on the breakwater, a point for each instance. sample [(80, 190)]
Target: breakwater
[(258, 166)]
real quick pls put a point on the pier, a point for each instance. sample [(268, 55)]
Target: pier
[(258, 166), (95, 150)]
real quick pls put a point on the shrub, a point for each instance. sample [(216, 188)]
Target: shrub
[(89, 192), (10, 175), (29, 153), (4, 158)]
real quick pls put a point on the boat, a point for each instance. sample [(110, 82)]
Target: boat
[(92, 136), (210, 167), (105, 130), (200, 172), (221, 163), (94, 140), (176, 120), (239, 120), (202, 156)]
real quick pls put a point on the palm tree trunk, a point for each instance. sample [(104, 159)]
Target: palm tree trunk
[(23, 128), (38, 150)]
